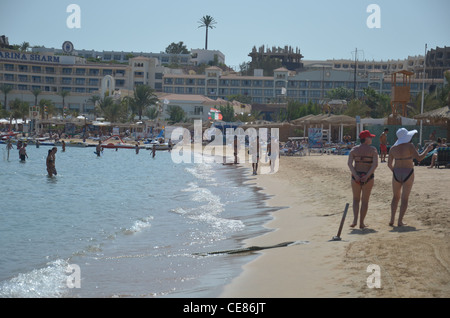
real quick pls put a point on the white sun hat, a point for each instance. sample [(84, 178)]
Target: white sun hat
[(404, 136)]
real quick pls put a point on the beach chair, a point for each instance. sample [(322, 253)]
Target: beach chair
[(443, 157)]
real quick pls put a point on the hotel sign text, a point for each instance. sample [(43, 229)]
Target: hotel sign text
[(17, 56)]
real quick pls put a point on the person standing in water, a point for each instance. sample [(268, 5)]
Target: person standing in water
[(403, 152), (9, 146), (23, 153), (365, 158), (51, 167), (99, 148)]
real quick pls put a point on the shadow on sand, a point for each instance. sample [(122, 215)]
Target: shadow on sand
[(404, 228)]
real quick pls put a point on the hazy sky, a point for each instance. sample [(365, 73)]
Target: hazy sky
[(322, 29)]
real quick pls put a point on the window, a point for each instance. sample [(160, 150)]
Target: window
[(179, 90), (158, 76), (23, 68), (66, 70), (168, 81), (179, 81), (268, 83), (316, 84), (93, 82), (235, 83)]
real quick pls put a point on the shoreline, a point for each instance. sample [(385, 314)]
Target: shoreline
[(414, 260)]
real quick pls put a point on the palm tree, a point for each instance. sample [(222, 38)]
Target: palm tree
[(143, 97), (207, 22), (36, 92), (63, 94), (24, 46), (5, 89), (46, 104)]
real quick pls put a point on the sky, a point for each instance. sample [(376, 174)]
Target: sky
[(321, 29)]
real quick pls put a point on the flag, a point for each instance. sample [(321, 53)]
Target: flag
[(214, 114)]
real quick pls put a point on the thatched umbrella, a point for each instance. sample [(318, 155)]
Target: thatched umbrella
[(341, 120), (442, 113)]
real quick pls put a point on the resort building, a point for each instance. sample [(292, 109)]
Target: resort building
[(52, 74)]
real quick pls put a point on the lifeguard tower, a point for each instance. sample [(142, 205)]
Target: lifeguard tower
[(401, 89)]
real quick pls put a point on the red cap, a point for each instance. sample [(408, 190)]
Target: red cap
[(365, 134)]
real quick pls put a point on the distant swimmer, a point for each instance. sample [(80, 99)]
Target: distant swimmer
[(23, 153), (99, 148), (63, 146), (51, 168), (154, 151), (137, 148), (9, 146)]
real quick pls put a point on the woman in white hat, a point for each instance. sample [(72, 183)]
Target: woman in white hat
[(403, 152)]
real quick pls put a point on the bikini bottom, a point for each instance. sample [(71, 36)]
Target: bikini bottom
[(401, 175), (362, 174)]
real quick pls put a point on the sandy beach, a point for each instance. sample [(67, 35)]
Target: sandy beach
[(414, 260)]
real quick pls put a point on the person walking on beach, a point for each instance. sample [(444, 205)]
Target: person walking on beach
[(255, 156), (23, 153), (403, 152), (383, 145), (51, 168), (362, 161)]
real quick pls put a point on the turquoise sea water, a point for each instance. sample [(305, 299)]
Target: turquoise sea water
[(127, 224)]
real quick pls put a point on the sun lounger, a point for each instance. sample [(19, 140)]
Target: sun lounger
[(443, 157)]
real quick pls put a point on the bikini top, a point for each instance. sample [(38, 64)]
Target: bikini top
[(364, 159), (409, 158)]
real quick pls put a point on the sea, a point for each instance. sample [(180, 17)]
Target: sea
[(123, 224)]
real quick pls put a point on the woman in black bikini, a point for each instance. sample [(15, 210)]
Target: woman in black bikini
[(403, 152), (365, 158)]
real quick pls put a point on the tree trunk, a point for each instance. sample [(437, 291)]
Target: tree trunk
[(206, 39)]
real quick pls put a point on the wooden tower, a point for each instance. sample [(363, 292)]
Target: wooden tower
[(401, 95)]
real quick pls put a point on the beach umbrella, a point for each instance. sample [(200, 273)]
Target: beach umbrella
[(440, 113)]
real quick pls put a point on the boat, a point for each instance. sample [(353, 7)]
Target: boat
[(8, 135), (158, 145), (120, 145)]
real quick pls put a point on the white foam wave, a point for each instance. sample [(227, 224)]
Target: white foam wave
[(139, 225), (47, 282)]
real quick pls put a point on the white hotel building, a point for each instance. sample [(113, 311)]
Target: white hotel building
[(52, 74)]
